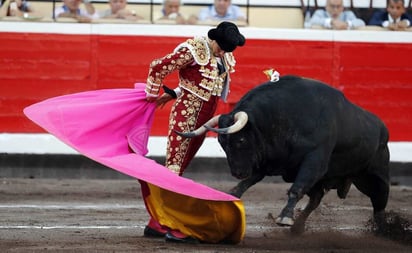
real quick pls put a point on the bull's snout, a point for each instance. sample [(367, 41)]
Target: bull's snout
[(240, 174), (239, 170)]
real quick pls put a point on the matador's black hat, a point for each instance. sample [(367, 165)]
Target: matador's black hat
[(227, 36)]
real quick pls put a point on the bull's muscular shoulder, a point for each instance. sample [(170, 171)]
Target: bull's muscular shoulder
[(316, 86), (296, 96), (296, 82), (322, 96)]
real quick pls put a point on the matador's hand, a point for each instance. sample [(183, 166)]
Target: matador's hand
[(163, 99), (151, 99)]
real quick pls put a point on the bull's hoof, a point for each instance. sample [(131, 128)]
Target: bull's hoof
[(284, 221)]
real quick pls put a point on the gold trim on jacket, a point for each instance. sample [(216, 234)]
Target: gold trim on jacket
[(198, 70)]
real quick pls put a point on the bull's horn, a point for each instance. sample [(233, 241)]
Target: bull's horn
[(201, 130), (241, 119)]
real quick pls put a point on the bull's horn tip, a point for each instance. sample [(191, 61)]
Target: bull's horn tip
[(187, 134), (179, 133)]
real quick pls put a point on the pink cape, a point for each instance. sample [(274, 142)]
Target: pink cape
[(112, 127)]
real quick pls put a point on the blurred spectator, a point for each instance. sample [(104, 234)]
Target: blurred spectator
[(71, 9), (118, 10), (4, 8), (334, 16), (219, 11), (171, 11), (19, 8), (394, 17)]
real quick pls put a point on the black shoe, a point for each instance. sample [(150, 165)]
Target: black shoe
[(150, 232), (188, 239)]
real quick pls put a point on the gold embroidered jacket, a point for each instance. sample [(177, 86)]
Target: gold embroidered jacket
[(198, 70)]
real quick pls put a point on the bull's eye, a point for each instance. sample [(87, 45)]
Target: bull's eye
[(242, 143)]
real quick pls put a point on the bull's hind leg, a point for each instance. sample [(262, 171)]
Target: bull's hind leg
[(315, 196), (376, 188), (375, 183)]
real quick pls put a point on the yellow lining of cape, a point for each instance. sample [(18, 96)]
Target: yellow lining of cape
[(207, 220)]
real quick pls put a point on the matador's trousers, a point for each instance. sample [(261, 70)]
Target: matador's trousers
[(188, 113)]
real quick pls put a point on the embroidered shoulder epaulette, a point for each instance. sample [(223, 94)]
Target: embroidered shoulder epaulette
[(231, 62), (199, 48)]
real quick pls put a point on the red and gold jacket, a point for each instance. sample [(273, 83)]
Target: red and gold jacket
[(198, 70)]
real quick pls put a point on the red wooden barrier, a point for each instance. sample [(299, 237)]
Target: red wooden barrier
[(376, 75)]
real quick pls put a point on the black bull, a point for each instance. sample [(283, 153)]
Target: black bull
[(311, 135)]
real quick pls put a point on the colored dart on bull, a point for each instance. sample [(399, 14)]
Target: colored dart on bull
[(272, 75)]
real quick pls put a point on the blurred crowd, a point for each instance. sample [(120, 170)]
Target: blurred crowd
[(334, 15)]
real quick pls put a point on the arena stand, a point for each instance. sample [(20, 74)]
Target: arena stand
[(260, 13), (268, 15)]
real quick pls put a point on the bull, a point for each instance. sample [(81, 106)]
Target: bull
[(310, 134)]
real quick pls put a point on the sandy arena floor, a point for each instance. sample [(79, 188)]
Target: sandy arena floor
[(78, 215)]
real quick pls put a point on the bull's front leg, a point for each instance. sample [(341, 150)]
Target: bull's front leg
[(312, 168), (315, 196), (286, 216), (245, 184)]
